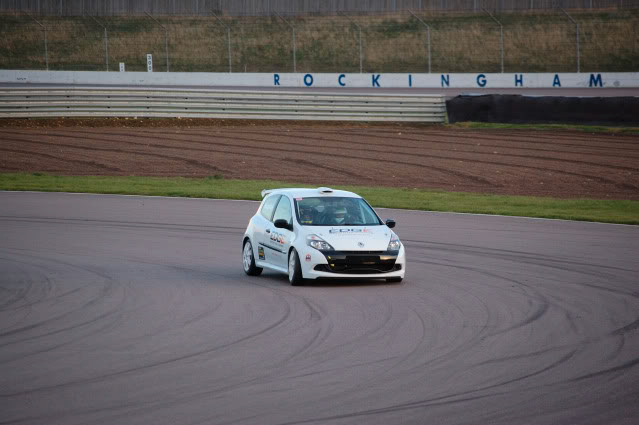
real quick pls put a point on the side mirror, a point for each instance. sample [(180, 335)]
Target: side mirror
[(390, 223), (280, 223)]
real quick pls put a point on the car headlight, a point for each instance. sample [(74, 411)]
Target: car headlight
[(318, 243), (394, 244)]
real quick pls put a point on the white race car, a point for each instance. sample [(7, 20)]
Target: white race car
[(321, 233)]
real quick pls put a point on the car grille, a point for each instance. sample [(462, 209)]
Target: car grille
[(359, 262)]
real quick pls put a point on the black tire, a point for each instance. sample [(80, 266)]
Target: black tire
[(248, 259), (295, 269), (394, 280)]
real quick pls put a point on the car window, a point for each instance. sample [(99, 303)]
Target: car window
[(284, 210), (269, 206), (335, 211)]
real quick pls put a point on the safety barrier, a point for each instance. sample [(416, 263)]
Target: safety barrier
[(281, 105)]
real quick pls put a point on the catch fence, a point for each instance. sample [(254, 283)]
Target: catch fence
[(413, 41), (289, 7)]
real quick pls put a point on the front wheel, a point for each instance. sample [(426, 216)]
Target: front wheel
[(294, 269), (248, 260)]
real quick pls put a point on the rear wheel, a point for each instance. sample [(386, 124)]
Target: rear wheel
[(394, 279), (294, 269), (248, 260)]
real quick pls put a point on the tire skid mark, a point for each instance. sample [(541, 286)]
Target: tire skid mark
[(502, 154), (620, 369), (471, 177), (126, 224), (458, 139), (181, 148), (511, 255), (108, 287), (108, 325), (155, 155), (630, 327), (538, 138), (440, 400), (15, 295), (154, 364), (315, 164), (60, 158), (624, 185), (25, 290), (267, 376), (538, 313), (447, 142), (477, 178)]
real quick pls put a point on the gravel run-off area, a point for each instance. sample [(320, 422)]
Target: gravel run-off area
[(555, 163)]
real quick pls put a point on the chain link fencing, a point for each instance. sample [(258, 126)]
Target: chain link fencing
[(288, 7), (602, 41)]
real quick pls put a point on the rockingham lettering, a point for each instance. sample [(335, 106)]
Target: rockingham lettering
[(481, 80), (556, 82), (595, 81), (519, 81), (308, 80)]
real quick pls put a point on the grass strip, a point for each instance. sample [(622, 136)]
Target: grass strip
[(607, 211)]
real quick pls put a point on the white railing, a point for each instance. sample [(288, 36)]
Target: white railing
[(193, 103)]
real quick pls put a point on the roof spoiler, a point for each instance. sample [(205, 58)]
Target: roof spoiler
[(266, 192)]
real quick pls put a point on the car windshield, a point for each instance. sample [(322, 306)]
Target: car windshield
[(335, 211)]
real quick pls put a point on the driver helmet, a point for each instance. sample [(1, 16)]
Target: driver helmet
[(340, 213)]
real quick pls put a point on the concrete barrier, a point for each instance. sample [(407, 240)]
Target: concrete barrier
[(347, 80)]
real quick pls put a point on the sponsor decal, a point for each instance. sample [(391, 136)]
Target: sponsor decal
[(260, 253), (308, 257), (278, 237), (351, 231), (360, 244)]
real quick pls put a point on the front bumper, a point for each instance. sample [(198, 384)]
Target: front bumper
[(353, 264)]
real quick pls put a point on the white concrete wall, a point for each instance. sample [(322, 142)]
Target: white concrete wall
[(291, 80)]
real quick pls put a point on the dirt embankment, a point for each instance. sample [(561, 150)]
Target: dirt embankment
[(562, 164)]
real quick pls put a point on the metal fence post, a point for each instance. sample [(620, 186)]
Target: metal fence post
[(577, 43), (427, 37), (106, 42), (501, 33), (166, 38), (361, 54), (228, 35), (46, 47), (294, 49)]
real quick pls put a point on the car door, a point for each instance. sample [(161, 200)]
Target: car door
[(262, 231), (281, 238)]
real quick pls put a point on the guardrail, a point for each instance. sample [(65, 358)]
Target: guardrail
[(280, 105)]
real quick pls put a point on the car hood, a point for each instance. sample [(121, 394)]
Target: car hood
[(354, 238)]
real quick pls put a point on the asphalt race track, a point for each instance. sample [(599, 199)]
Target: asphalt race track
[(135, 310)]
